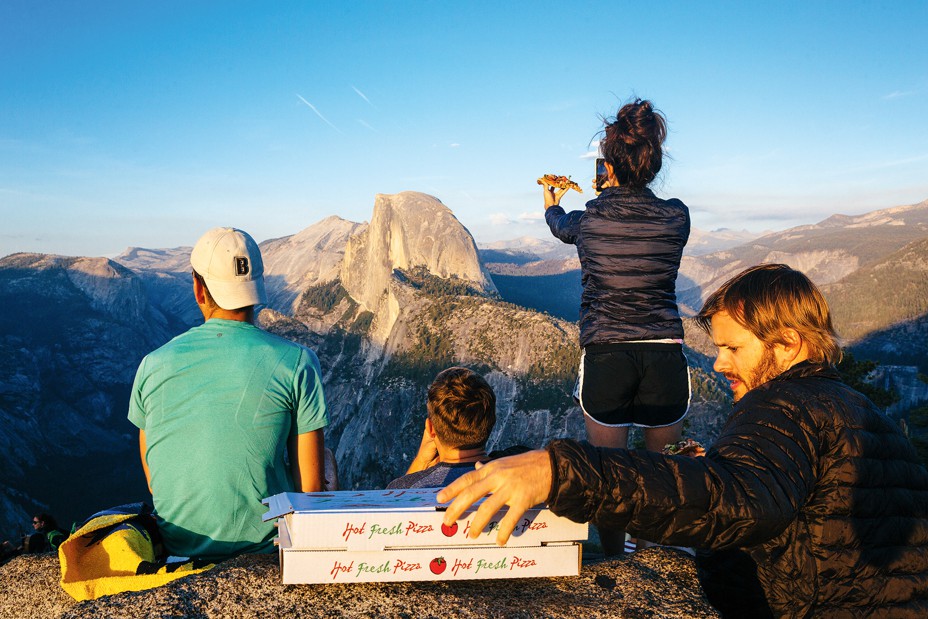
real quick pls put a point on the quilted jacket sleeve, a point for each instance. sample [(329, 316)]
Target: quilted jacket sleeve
[(565, 226), (745, 491)]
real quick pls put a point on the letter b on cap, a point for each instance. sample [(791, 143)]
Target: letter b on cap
[(241, 265)]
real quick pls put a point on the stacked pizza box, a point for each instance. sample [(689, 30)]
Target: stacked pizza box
[(398, 535)]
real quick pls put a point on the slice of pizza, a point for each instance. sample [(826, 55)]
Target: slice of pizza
[(561, 182), (686, 447)]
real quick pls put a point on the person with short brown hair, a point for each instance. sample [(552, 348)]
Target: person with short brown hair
[(461, 409), (811, 503)]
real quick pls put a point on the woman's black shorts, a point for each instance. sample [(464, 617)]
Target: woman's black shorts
[(645, 384)]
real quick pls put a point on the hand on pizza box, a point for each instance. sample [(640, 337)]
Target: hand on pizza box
[(518, 482)]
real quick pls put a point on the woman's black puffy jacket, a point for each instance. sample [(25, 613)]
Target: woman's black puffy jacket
[(629, 243)]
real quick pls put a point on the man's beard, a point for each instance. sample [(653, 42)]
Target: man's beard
[(766, 369)]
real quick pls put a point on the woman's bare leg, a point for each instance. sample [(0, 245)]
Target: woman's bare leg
[(605, 436), (654, 440), (613, 541)]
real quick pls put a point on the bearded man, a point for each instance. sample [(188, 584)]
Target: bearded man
[(811, 503)]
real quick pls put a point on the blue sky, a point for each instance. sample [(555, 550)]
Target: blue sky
[(144, 124)]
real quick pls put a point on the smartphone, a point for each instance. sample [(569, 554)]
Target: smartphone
[(601, 175)]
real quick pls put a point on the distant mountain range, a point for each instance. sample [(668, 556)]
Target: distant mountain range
[(827, 251), (871, 268), (545, 273), (70, 334), (386, 305), (528, 249)]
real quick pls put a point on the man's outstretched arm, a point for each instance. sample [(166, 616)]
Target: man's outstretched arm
[(307, 461)]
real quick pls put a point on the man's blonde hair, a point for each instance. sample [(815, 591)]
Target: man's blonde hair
[(768, 298)]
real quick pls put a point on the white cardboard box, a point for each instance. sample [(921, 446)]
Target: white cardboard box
[(397, 535)]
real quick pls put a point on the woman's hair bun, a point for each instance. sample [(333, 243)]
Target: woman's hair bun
[(633, 143)]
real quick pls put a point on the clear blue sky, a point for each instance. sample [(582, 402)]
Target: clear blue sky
[(145, 123)]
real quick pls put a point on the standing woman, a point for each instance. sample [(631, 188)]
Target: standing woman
[(629, 241)]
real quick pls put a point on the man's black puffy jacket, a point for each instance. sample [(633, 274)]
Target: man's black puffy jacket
[(822, 490), (629, 243)]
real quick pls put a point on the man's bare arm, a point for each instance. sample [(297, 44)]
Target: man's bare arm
[(427, 456), (307, 461), (142, 450)]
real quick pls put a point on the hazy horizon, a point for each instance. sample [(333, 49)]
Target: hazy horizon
[(541, 234)]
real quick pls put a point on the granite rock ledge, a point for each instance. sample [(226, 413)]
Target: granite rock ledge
[(656, 582)]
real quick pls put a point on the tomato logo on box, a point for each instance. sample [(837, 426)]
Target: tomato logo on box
[(438, 565)]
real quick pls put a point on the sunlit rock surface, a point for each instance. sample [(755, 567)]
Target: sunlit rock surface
[(656, 582)]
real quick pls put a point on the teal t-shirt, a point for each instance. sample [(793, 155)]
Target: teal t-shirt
[(217, 405)]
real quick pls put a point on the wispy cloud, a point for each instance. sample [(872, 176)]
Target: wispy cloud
[(897, 94), (364, 123), (363, 96), (454, 145), (526, 218), (593, 154), (319, 114)]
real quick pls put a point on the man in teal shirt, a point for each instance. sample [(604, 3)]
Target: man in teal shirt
[(219, 407)]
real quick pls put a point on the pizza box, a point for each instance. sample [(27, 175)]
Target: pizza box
[(377, 520), (302, 566)]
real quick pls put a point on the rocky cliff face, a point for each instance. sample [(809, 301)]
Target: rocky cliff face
[(906, 383), (408, 230), (410, 301), (311, 257), (882, 309), (71, 336), (165, 275)]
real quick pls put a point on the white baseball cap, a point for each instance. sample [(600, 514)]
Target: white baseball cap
[(229, 261)]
